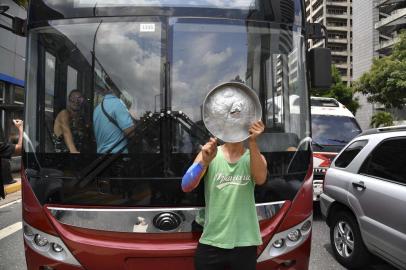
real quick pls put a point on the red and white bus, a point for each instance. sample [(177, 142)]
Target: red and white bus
[(161, 57)]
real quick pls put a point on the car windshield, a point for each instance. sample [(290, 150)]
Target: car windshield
[(158, 73), (334, 130)]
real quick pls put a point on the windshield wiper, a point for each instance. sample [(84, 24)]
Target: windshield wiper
[(191, 127), (317, 144), (338, 140), (100, 164)]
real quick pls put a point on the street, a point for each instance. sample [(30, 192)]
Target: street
[(12, 250), (322, 257), (11, 244)]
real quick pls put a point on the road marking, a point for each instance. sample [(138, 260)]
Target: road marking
[(10, 229), (11, 203)]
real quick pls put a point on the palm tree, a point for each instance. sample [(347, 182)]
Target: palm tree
[(382, 119)]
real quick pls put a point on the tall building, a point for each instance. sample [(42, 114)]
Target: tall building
[(12, 71), (376, 26), (336, 16), (391, 20)]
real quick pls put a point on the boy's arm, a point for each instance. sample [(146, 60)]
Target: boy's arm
[(18, 147), (67, 132), (257, 160), (194, 174)]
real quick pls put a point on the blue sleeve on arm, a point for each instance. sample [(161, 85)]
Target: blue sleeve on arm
[(192, 177), (122, 115)]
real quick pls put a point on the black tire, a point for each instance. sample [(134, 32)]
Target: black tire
[(357, 257)]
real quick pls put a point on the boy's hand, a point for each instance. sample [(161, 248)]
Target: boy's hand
[(256, 129), (209, 151), (18, 123)]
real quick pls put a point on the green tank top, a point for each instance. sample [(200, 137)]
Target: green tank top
[(230, 218)]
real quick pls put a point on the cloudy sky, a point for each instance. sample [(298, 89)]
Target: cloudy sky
[(203, 56), (181, 3)]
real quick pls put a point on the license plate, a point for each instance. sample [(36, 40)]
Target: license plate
[(317, 189)]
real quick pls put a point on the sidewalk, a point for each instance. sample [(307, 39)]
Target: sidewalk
[(8, 189)]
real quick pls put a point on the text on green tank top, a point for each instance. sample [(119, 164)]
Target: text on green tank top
[(230, 214)]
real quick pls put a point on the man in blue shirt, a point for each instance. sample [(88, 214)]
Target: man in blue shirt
[(109, 132)]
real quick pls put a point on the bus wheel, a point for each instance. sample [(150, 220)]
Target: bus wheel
[(346, 241)]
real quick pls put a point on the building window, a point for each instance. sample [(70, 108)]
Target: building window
[(18, 95)]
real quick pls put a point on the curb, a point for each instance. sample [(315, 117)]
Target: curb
[(8, 189)]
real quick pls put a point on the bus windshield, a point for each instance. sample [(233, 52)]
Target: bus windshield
[(161, 70), (334, 130)]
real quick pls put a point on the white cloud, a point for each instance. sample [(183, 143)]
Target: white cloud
[(214, 59)]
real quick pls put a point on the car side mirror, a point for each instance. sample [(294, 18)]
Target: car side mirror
[(320, 68)]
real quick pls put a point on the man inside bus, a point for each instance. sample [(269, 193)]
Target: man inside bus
[(112, 122), (7, 150), (231, 229), (69, 133)]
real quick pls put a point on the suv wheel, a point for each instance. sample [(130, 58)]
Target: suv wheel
[(346, 241)]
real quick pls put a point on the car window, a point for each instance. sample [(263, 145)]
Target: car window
[(387, 161), (350, 153)]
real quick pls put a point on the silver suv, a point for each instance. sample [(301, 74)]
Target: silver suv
[(364, 199)]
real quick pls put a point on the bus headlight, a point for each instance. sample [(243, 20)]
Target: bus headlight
[(294, 236), (28, 232), (285, 241), (306, 226), (278, 243), (47, 245), (40, 240), (57, 248)]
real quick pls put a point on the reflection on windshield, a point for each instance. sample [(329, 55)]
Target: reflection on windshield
[(157, 75), (171, 3), (222, 57), (257, 55), (334, 130)]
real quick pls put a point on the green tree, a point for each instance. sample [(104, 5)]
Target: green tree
[(386, 81), (340, 91), (380, 119)]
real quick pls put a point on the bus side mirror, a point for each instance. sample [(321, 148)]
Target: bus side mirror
[(320, 68)]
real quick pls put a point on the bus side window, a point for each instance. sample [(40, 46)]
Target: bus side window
[(50, 65)]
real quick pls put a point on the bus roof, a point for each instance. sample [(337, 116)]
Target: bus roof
[(328, 106), (278, 11)]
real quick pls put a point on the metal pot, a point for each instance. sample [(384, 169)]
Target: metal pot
[(229, 110)]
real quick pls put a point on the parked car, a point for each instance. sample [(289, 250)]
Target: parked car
[(364, 199), (333, 126)]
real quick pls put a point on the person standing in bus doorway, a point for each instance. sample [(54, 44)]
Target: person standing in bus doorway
[(112, 122), (7, 150), (69, 127), (231, 228)]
